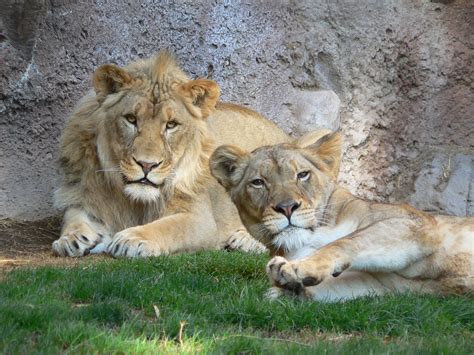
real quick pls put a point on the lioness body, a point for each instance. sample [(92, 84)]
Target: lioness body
[(386, 248), (330, 245), (134, 160)]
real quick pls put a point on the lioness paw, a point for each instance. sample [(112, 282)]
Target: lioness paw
[(282, 274), (77, 242), (274, 293), (321, 265), (297, 275), (241, 240), (131, 243)]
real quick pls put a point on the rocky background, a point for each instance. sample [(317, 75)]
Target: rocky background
[(395, 76)]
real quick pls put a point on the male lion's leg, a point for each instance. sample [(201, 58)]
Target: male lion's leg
[(242, 240), (79, 234), (180, 232)]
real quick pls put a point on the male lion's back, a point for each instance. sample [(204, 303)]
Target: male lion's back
[(231, 124)]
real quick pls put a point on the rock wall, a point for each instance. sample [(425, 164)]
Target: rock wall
[(395, 76)]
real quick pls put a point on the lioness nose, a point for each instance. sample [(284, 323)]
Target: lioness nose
[(287, 207), (147, 166)]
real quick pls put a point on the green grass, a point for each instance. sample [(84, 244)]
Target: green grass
[(217, 300)]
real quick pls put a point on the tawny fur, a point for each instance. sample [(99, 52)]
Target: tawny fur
[(150, 112), (333, 245)]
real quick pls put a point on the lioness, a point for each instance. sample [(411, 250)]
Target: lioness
[(288, 198), (134, 159)]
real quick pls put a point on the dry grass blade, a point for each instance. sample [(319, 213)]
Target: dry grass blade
[(157, 311), (180, 335)]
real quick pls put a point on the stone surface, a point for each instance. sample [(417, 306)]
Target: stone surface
[(444, 183), (310, 110), (402, 70)]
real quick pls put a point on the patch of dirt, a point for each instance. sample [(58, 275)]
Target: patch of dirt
[(29, 244)]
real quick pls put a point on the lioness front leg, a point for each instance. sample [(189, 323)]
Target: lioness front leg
[(296, 275), (79, 235), (386, 246), (242, 240)]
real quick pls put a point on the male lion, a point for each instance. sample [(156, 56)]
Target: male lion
[(288, 198), (134, 159)]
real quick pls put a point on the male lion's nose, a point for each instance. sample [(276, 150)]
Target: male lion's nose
[(287, 207), (148, 166)]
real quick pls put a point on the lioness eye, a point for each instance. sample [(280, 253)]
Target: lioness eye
[(171, 124), (258, 183), (131, 118), (304, 175)]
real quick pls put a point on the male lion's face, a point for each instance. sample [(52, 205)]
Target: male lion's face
[(149, 127), (281, 186), (150, 140)]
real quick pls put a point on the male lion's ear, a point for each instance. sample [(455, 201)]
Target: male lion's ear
[(203, 94), (224, 164), (328, 150), (109, 79)]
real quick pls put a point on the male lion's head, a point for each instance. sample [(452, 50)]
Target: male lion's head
[(152, 132), (280, 186)]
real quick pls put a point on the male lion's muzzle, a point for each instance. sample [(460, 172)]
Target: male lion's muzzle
[(147, 166)]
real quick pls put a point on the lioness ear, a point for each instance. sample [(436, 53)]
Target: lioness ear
[(224, 164), (311, 137), (203, 94), (328, 149), (109, 79)]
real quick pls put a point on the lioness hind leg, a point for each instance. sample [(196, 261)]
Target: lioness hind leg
[(274, 293), (242, 240), (79, 235)]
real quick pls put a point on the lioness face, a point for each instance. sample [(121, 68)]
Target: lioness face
[(150, 125), (281, 186)]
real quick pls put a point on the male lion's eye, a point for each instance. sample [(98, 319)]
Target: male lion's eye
[(131, 118), (171, 124), (258, 183), (303, 176)]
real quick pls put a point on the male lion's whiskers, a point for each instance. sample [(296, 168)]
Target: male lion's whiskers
[(107, 171)]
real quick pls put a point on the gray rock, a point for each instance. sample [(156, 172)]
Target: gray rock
[(445, 185), (313, 109), (403, 72)]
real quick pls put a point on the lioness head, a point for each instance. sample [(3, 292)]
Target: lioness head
[(280, 186), (152, 129)]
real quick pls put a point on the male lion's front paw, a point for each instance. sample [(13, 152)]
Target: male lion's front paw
[(242, 240), (77, 242), (132, 242)]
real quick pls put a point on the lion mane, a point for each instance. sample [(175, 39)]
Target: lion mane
[(135, 152)]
